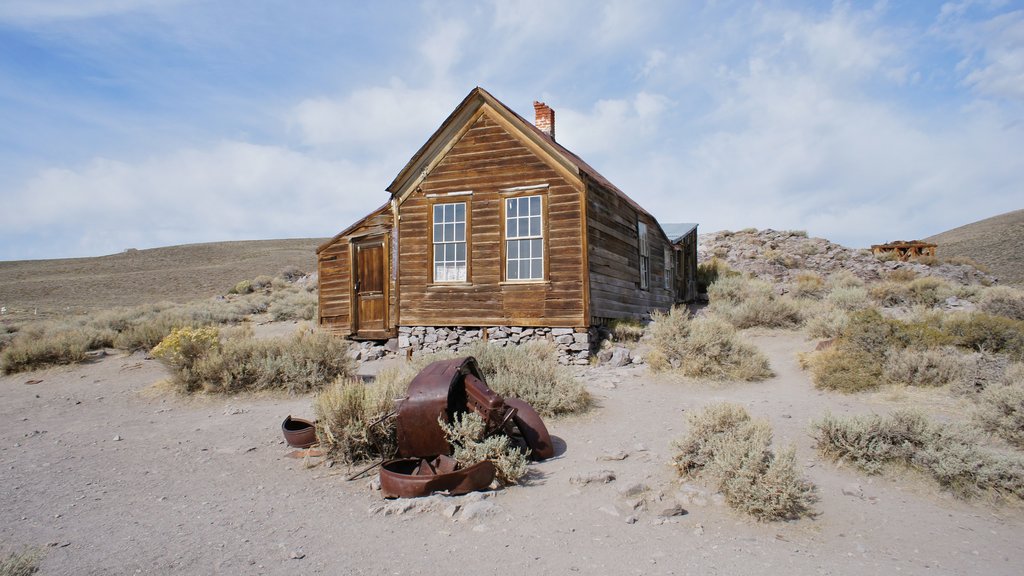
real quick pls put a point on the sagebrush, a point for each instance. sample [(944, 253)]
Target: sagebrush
[(353, 422), (951, 454), (466, 435), (200, 360), (703, 348), (724, 443)]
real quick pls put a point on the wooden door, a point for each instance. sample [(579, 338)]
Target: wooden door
[(369, 287)]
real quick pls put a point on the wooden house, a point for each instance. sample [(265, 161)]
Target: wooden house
[(493, 223)]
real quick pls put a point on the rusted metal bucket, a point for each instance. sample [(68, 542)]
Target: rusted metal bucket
[(298, 433), (405, 478)]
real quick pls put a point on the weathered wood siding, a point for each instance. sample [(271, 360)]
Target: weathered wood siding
[(614, 257), (334, 265), (487, 159), (687, 267)]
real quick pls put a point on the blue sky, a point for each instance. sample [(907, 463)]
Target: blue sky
[(143, 123)]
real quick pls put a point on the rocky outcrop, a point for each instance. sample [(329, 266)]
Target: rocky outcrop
[(781, 255)]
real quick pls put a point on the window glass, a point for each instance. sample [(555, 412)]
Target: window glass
[(524, 238), (450, 242)]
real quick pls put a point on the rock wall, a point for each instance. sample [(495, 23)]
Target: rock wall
[(573, 347)]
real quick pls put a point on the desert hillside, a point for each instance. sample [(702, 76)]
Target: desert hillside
[(996, 242), (173, 273)]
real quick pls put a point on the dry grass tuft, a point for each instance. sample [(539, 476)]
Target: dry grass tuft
[(1003, 301), (24, 563), (703, 348), (531, 372), (949, 454), (626, 330), (1000, 410), (927, 368), (352, 418), (466, 435), (727, 445), (711, 271), (808, 285), (746, 303), (304, 362)]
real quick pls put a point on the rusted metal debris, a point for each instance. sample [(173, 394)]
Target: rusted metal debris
[(298, 433), (439, 392)]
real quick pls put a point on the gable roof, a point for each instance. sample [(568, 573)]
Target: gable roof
[(351, 228), (676, 231), (459, 118)]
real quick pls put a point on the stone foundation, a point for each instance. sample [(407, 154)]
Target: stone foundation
[(573, 347)]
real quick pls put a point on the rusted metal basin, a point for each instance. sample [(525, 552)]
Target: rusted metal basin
[(298, 433), (403, 478)]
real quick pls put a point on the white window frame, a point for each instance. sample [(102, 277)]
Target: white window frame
[(449, 234), (645, 255), (524, 234)]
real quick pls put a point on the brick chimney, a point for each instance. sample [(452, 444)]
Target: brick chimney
[(545, 118)]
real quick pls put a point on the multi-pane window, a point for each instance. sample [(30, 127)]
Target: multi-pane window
[(645, 255), (450, 242), (524, 239), (669, 267)]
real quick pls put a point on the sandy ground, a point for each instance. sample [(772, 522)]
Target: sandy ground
[(112, 476)]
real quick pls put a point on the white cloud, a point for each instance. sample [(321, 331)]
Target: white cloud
[(612, 126), (371, 119), (232, 190)]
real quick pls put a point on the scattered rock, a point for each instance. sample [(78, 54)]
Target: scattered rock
[(480, 509), (600, 476), (634, 489), (297, 555), (673, 511), (117, 438), (854, 490), (698, 530), (613, 455), (630, 519)]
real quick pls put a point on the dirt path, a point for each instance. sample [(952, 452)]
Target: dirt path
[(124, 481)]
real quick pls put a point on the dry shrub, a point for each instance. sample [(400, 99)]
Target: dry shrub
[(352, 418), (293, 305), (779, 257), (826, 323), (703, 348), (726, 444), (304, 362), (466, 435), (1000, 410), (711, 271), (901, 275), (746, 303), (927, 260), (930, 290), (889, 256), (1002, 301), (849, 298), (891, 293), (626, 330), (242, 287), (808, 285), (950, 454), (844, 279), (46, 344), (929, 367), (984, 332), (24, 563), (845, 369), (531, 372)]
